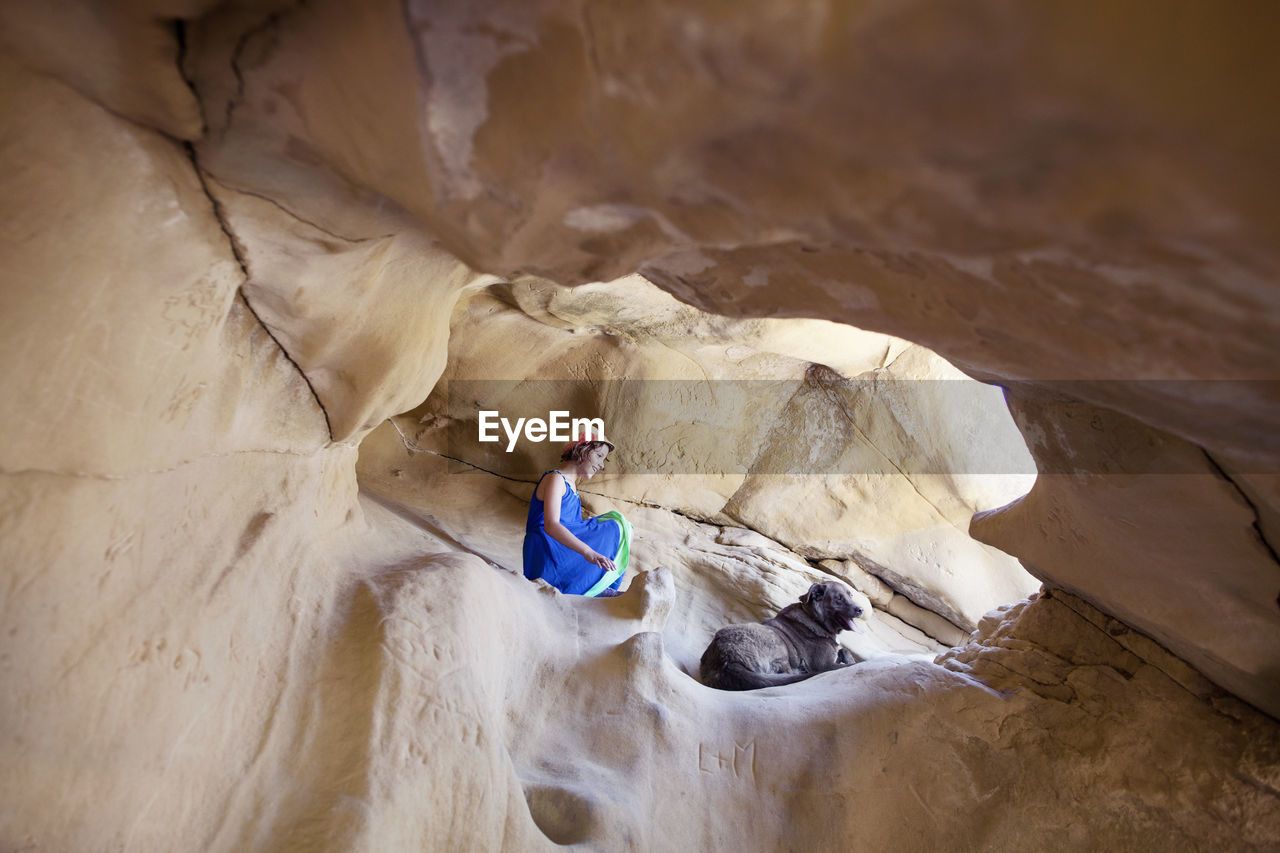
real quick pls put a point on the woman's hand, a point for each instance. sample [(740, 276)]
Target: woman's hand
[(598, 559)]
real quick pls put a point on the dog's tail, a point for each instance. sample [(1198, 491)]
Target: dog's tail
[(735, 676)]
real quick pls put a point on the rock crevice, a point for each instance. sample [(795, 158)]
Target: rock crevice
[(238, 252)]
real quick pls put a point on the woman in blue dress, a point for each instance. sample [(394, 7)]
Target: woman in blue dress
[(576, 556)]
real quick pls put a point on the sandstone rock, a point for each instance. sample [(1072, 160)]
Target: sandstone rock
[(876, 590), (373, 347), (122, 59), (747, 538), (212, 641), (583, 688), (1217, 575), (909, 438), (926, 620), (159, 349)]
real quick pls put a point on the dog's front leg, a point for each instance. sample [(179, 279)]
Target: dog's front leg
[(838, 660)]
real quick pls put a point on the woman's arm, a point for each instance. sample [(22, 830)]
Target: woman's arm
[(560, 533)]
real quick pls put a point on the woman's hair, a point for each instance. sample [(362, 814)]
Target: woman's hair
[(577, 451)]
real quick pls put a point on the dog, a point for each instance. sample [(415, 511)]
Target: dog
[(798, 643)]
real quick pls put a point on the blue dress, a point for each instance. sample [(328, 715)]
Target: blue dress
[(564, 569)]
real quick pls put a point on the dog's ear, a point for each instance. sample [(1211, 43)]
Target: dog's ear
[(815, 593)]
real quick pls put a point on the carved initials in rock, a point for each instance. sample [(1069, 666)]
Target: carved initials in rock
[(741, 761)]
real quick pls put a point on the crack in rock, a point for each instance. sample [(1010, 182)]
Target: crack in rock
[(268, 24), (1257, 514), (822, 378), (238, 252), (219, 213), (293, 215), (412, 447)]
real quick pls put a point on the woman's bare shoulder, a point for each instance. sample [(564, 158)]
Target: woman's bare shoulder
[(550, 487)]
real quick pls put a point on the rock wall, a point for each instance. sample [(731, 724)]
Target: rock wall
[(169, 493), (1053, 211), (234, 237)]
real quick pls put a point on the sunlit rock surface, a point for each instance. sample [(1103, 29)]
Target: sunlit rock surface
[(234, 240), (840, 444)]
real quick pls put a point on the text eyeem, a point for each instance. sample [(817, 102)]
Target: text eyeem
[(557, 427)]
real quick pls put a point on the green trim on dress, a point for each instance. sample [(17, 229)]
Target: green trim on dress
[(622, 559)]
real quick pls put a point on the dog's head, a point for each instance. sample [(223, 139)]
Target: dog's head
[(831, 606)]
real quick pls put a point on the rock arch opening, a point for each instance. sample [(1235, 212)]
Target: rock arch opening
[(755, 456)]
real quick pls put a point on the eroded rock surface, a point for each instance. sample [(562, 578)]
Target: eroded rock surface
[(1030, 214), (529, 719), (234, 238)]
